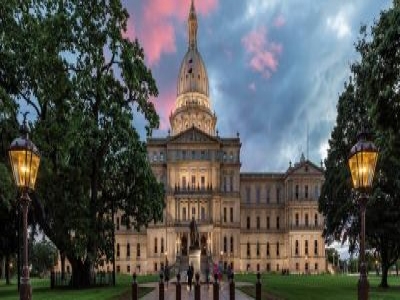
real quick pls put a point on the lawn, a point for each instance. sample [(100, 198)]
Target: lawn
[(319, 287), (41, 290)]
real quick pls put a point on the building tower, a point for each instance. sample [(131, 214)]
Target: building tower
[(192, 105)]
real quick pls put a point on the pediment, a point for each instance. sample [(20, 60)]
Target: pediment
[(193, 135), (304, 168)]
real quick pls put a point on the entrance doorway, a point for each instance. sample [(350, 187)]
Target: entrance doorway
[(184, 244), (203, 242)]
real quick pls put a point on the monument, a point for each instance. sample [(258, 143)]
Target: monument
[(194, 248)]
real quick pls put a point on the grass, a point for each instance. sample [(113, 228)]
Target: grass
[(41, 290), (313, 287)]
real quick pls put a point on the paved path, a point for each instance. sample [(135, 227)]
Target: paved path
[(206, 293)]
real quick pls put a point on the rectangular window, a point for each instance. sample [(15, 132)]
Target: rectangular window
[(306, 220), (296, 249), (248, 249), (306, 247), (162, 246), (248, 194), (138, 250), (155, 245), (193, 154), (297, 220), (118, 250), (194, 212), (278, 195), (248, 223), (193, 182), (277, 249), (315, 247), (203, 213), (155, 267), (184, 214), (267, 249), (231, 244), (203, 183), (258, 222), (118, 269), (268, 267), (316, 266), (306, 192), (225, 245), (297, 191), (183, 154), (231, 214), (128, 269), (267, 222), (316, 220), (225, 215), (277, 223), (231, 183), (258, 249), (202, 154), (128, 250), (258, 195), (184, 182), (117, 223), (297, 266), (161, 156), (224, 187), (268, 195)]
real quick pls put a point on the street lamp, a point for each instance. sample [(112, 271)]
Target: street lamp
[(362, 162), (24, 159)]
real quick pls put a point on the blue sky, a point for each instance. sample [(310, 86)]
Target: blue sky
[(275, 67)]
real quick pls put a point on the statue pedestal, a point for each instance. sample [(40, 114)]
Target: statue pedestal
[(194, 260)]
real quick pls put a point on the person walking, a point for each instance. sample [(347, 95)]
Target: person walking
[(166, 273)]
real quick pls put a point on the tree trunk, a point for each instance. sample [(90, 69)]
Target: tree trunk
[(7, 269), (385, 269), (62, 258), (80, 274)]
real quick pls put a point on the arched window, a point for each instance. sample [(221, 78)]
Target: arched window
[(225, 245), (138, 250)]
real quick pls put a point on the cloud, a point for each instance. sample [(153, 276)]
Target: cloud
[(339, 24), (279, 21), (153, 24), (263, 53)]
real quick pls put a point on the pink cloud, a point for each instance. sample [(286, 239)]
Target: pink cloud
[(279, 21), (153, 24), (263, 53)]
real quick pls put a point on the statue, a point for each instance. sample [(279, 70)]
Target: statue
[(194, 235)]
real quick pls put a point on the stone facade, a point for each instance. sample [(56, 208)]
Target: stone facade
[(251, 221)]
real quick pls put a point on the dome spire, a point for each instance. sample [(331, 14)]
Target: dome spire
[(192, 27)]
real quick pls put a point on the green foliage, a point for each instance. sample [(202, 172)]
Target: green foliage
[(84, 82), (43, 257), (370, 100)]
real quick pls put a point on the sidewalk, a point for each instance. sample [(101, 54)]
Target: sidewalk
[(206, 293)]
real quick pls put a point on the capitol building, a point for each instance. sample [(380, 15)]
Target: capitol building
[(267, 222)]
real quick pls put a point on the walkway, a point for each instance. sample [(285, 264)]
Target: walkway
[(206, 293)]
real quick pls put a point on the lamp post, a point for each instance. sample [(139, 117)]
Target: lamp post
[(362, 162), (24, 158)]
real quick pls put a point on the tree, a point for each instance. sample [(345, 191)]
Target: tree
[(43, 256), (84, 81), (364, 102)]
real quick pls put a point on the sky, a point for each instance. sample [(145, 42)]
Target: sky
[(276, 68)]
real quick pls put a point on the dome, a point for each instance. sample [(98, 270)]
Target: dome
[(193, 74)]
